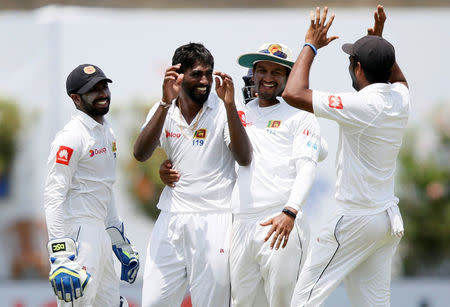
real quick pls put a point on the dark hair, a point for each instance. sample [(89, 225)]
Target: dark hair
[(374, 76), (190, 54)]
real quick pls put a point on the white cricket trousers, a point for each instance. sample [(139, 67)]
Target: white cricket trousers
[(253, 262), (355, 249), (96, 254), (188, 249)]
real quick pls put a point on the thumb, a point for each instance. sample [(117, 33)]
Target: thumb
[(180, 79), (268, 222), (217, 81)]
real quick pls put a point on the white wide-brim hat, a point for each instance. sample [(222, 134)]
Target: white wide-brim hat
[(272, 52)]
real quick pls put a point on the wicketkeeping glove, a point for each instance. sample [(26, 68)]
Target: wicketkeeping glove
[(66, 276), (126, 253)]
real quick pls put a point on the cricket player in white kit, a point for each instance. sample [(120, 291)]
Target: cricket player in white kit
[(357, 244), (189, 244), (79, 201), (271, 190)]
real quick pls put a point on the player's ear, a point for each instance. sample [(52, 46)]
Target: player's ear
[(76, 98)]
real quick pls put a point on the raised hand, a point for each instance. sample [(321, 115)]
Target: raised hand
[(224, 89), (380, 17), (318, 29), (172, 83)]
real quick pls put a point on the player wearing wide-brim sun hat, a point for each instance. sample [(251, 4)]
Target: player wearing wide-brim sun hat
[(272, 52)]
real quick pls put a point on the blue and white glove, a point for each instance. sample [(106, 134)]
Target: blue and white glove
[(67, 277), (126, 253)]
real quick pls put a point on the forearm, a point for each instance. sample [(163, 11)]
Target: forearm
[(54, 198), (148, 139), (297, 92), (240, 144), (306, 170), (112, 218)]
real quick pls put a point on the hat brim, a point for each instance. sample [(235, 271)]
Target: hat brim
[(249, 59), (348, 48), (85, 88)]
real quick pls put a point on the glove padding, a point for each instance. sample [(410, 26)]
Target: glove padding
[(66, 276), (126, 253)]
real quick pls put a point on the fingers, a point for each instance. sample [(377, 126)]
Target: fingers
[(226, 78), (317, 16), (173, 68), (311, 16), (218, 83), (276, 240), (381, 13), (269, 234), (324, 16), (330, 22)]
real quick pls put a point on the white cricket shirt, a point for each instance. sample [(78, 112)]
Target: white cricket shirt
[(200, 153), (81, 173), (371, 124), (280, 134)]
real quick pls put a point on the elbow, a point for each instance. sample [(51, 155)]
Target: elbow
[(289, 97), (245, 161), (139, 154)]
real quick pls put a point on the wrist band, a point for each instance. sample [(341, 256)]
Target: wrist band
[(165, 105), (289, 212), (312, 47)]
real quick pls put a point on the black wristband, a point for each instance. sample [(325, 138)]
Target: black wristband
[(289, 212)]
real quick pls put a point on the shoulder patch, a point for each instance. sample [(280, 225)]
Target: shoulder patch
[(63, 155), (335, 102)]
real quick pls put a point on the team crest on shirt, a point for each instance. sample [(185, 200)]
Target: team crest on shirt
[(274, 124), (63, 155), (200, 134), (335, 102)]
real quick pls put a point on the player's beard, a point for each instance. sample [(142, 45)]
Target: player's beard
[(91, 110), (197, 98)]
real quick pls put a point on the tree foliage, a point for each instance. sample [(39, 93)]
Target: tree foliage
[(424, 181), (9, 129)]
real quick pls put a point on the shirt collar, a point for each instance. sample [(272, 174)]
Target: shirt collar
[(377, 87), (88, 121), (211, 103)]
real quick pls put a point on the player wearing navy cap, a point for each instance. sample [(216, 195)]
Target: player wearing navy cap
[(358, 243), (79, 201)]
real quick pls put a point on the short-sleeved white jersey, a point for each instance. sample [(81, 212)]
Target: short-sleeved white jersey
[(371, 125), (279, 134), (200, 153), (81, 173)]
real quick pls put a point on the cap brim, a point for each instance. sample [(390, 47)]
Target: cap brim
[(249, 59), (348, 48), (85, 88)]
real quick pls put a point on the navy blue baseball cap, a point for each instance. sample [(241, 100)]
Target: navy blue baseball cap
[(83, 78), (373, 52)]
